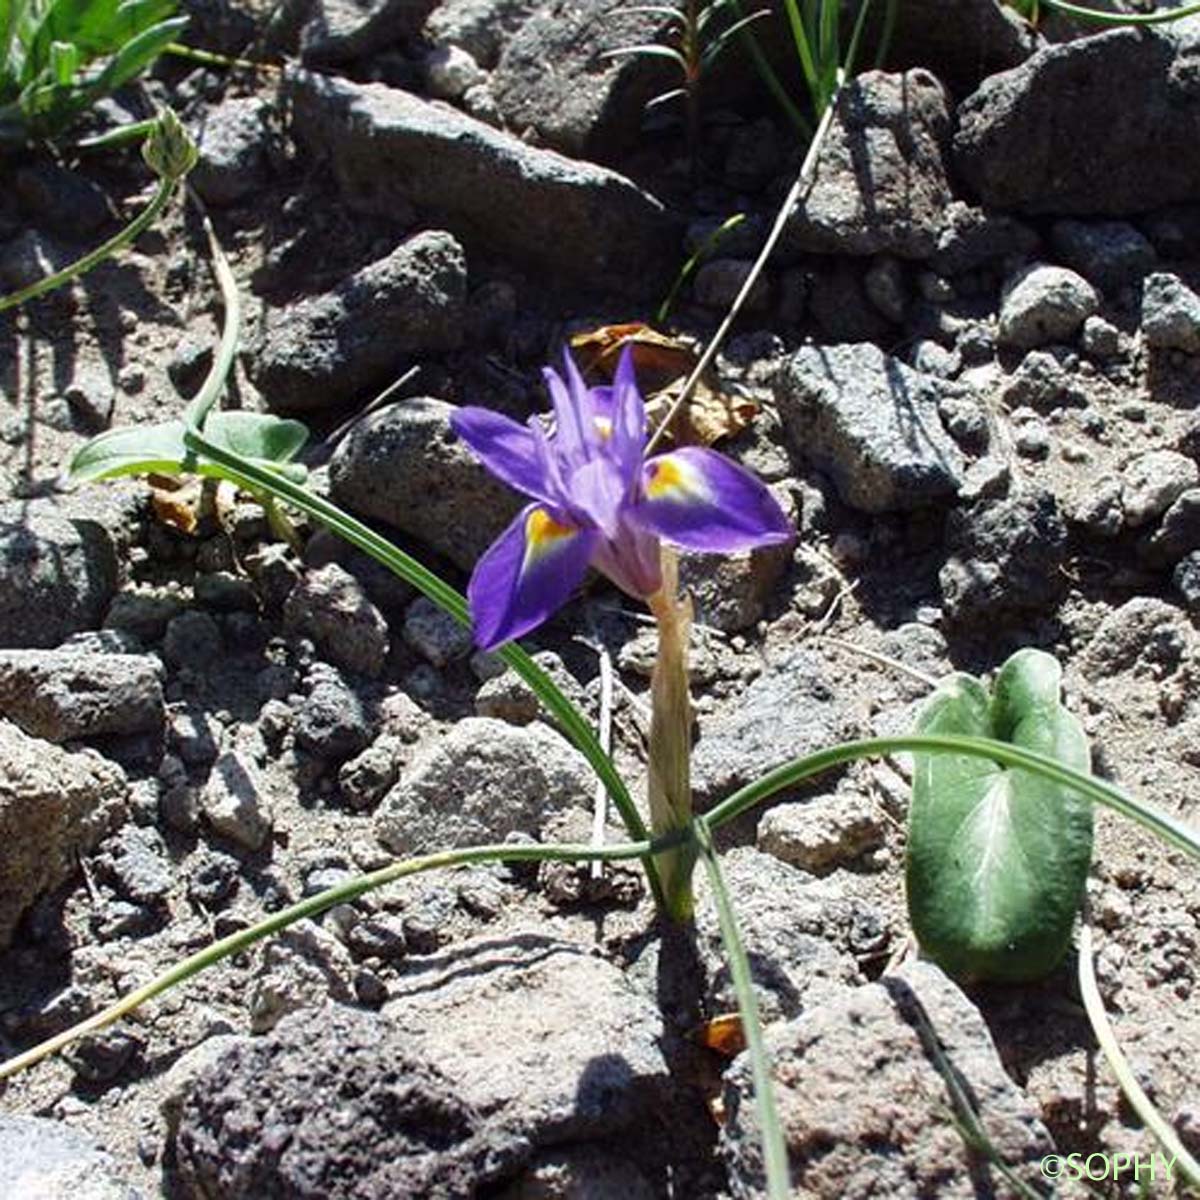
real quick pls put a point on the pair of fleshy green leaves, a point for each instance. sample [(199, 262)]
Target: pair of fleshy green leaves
[(997, 856)]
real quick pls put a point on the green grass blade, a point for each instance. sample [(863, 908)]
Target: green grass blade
[(1171, 830), (342, 893), (803, 46), (770, 78), (709, 244), (134, 56), (1139, 1101), (1158, 17), (775, 1158)]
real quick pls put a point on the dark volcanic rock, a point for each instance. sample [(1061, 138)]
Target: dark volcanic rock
[(588, 105), (1056, 136), (54, 806), (1005, 558), (881, 185), (404, 465), (322, 351), (962, 41), (57, 575), (391, 150), (333, 1104)]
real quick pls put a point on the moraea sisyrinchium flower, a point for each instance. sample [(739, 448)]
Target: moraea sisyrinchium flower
[(595, 502)]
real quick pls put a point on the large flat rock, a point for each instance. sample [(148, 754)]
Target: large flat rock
[(392, 152)]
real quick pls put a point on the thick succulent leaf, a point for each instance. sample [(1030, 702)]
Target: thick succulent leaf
[(160, 450), (998, 858)]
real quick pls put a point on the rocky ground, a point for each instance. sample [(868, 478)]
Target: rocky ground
[(976, 356)]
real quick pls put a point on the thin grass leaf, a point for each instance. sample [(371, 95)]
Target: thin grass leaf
[(666, 97), (648, 50), (1093, 1004), (851, 60), (775, 1156), (1164, 826), (719, 43), (1158, 17), (653, 10), (890, 14), (771, 79), (342, 893), (803, 47)]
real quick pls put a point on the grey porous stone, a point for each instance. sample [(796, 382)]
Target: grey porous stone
[(232, 140), (1005, 558), (1144, 634), (480, 782), (1153, 482), (970, 237), (881, 185), (330, 33), (1170, 314), (234, 803), (392, 150), (791, 709), (872, 424), (1020, 147), (301, 967), (57, 575), (1044, 304), (1179, 533), (54, 806), (480, 27), (401, 1129), (581, 1052), (322, 351), (404, 465), (41, 1159), (1109, 254), (823, 833), (435, 634), (61, 695), (801, 934), (330, 606), (590, 105), (895, 1135)]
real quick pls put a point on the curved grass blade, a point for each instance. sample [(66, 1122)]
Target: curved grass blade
[(1158, 17), (775, 1157), (1169, 829), (1139, 1101), (342, 893)]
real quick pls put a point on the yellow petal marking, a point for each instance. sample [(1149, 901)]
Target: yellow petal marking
[(604, 427), (672, 480), (542, 534)]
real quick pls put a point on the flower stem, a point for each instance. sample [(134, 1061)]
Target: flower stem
[(669, 787), (135, 228)]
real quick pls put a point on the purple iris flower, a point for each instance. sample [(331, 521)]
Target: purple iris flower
[(595, 502)]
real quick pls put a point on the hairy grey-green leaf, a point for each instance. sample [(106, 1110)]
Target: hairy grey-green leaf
[(997, 857)]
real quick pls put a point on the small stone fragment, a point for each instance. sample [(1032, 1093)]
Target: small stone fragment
[(234, 803), (1045, 304)]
